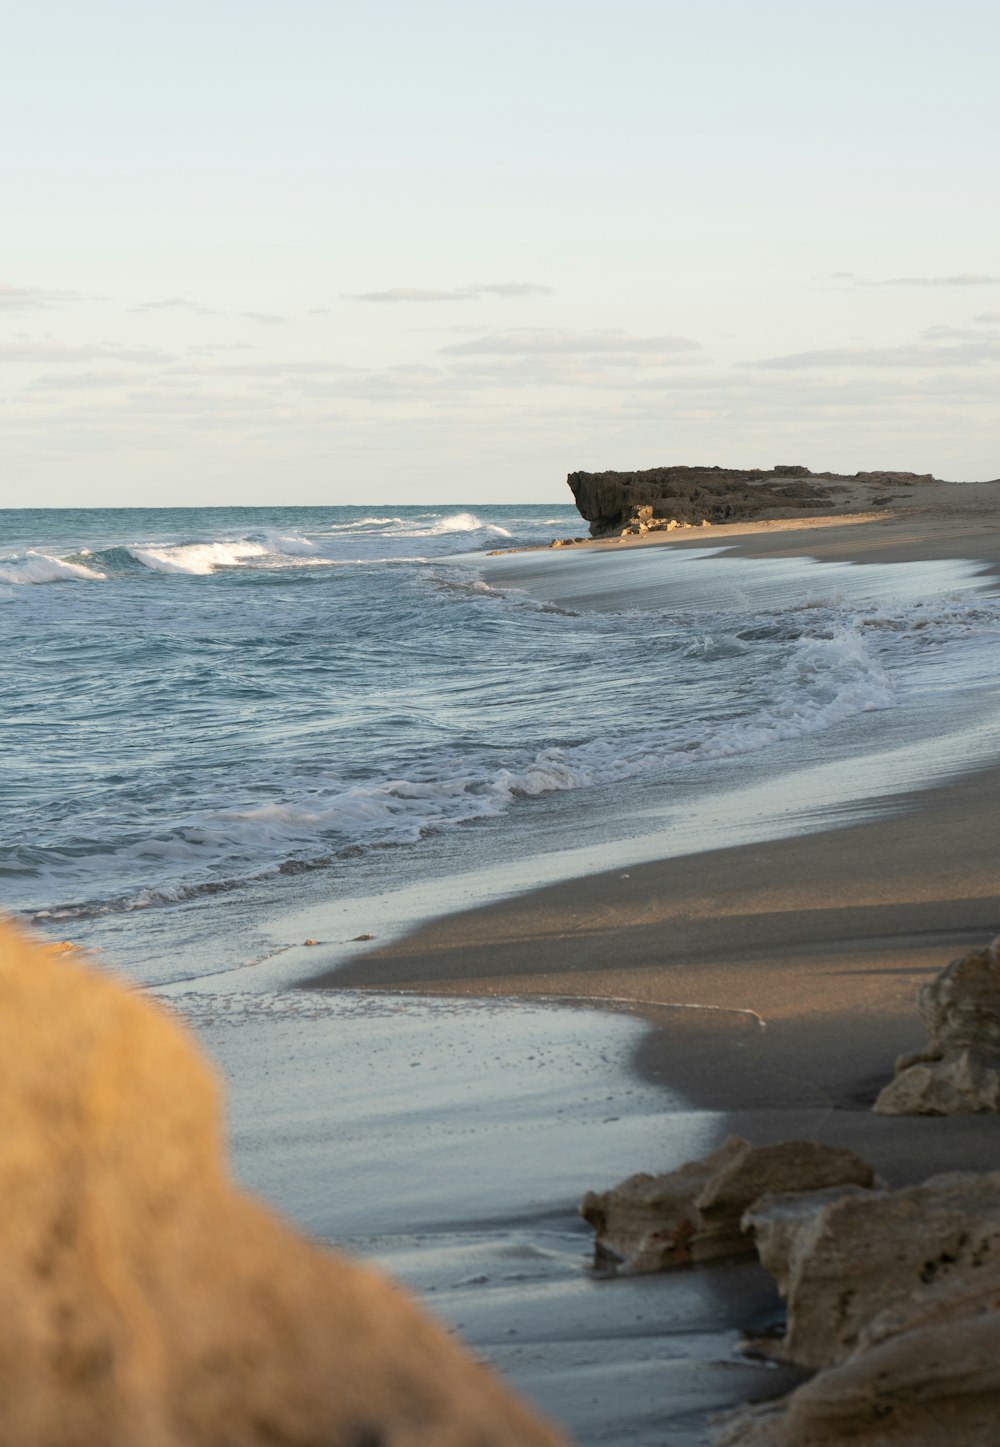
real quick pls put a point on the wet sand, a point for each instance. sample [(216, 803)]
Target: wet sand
[(780, 976)]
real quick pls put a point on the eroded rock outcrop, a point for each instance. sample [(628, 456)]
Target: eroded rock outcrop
[(655, 497), (938, 1386), (147, 1301), (839, 1263), (654, 1223), (897, 1296), (958, 1071)]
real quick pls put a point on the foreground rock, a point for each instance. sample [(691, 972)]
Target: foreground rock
[(654, 1223), (839, 1263), (145, 1299), (958, 1071), (658, 497), (898, 1296), (934, 1387)]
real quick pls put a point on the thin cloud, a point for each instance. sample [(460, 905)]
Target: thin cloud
[(259, 369), (959, 334), (965, 278), (197, 308), (84, 381), (214, 349), (57, 353), (33, 298), (524, 341), (959, 279), (410, 293), (176, 303), (395, 384), (467, 329), (967, 354), (511, 288), (456, 293)]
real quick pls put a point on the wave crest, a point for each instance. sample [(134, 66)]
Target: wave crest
[(35, 567), (197, 558)]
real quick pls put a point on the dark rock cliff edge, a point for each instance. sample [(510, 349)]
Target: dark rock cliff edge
[(613, 502)]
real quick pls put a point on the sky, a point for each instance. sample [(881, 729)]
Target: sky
[(319, 252)]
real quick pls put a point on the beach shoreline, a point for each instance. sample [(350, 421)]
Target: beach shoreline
[(930, 839), (941, 520), (781, 975), (823, 936), (778, 977)]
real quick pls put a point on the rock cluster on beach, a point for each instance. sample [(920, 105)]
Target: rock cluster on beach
[(660, 497), (892, 1297), (651, 1223), (148, 1301)]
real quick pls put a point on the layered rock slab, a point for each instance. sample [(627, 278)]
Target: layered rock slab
[(958, 1071), (655, 1223), (936, 1387), (839, 1263), (898, 1297), (145, 1299)]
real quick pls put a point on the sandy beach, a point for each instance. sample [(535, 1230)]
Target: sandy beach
[(779, 977)]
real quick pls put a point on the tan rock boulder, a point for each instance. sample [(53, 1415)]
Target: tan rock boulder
[(958, 1083), (934, 1387), (840, 1263), (654, 1223), (148, 1303), (899, 1295), (961, 1006), (958, 1071)]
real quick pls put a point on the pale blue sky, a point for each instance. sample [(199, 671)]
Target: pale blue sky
[(591, 235)]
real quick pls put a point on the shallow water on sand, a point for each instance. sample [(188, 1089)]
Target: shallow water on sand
[(450, 1142)]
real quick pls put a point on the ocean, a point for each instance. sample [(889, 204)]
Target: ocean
[(216, 717), (227, 731)]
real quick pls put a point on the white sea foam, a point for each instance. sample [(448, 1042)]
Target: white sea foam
[(823, 682), (198, 558), (34, 567), (466, 522), (292, 545), (370, 522)]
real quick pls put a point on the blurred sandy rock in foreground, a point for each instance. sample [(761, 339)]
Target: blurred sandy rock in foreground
[(145, 1298)]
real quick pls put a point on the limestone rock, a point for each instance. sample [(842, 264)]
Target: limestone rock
[(900, 1295), (959, 1083), (148, 1303), (613, 501), (958, 1071), (653, 1223), (842, 1265), (780, 1225), (935, 1387), (961, 1006)]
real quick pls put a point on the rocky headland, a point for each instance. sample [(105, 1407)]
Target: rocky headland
[(658, 498)]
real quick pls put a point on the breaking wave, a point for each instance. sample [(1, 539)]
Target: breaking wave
[(32, 567), (823, 682), (375, 538)]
